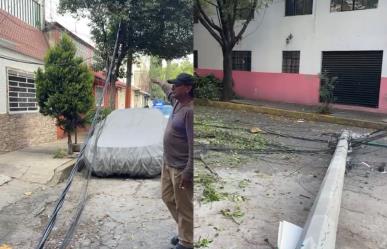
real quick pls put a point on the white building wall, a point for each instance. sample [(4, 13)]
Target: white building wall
[(4, 64), (322, 31)]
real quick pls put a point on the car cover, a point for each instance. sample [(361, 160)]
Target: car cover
[(130, 142)]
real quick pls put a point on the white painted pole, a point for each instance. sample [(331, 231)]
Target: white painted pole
[(321, 226)]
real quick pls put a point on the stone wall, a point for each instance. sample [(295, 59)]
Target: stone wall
[(21, 130)]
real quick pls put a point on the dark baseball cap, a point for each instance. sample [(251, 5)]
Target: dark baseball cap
[(182, 79)]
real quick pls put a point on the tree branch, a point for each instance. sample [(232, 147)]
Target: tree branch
[(209, 21), (246, 23), (211, 31), (206, 22)]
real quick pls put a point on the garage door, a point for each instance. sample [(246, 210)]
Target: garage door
[(358, 73)]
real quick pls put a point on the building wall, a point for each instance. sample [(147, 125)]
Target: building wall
[(86, 52), (312, 34), (4, 64), (22, 129)]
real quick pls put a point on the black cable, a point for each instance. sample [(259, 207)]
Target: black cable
[(61, 198), (206, 147), (267, 131)]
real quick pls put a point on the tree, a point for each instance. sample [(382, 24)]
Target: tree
[(64, 88), (152, 27), (170, 71), (227, 30)]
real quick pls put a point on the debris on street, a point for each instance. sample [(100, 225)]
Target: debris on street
[(276, 174)]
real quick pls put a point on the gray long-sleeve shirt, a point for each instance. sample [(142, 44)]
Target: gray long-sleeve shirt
[(178, 137)]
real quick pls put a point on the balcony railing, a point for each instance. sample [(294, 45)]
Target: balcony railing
[(29, 11)]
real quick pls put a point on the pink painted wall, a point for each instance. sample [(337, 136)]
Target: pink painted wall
[(289, 88), (383, 95), (280, 87)]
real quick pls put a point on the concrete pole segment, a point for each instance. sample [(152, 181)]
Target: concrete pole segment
[(321, 225)]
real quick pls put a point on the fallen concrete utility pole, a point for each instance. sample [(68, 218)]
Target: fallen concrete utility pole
[(320, 228)]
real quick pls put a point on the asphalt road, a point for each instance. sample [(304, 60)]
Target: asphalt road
[(256, 192)]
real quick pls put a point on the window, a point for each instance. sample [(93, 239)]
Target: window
[(241, 60), (195, 58), (21, 92), (348, 5), (298, 7), (98, 95), (290, 61)]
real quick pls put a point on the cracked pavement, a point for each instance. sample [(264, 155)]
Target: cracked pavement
[(119, 213), (283, 187)]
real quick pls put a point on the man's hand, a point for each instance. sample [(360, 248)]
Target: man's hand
[(186, 182)]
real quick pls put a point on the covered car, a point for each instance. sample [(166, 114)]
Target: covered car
[(129, 142)]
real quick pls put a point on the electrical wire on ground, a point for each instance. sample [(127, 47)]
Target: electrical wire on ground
[(76, 167), (266, 131), (378, 134)]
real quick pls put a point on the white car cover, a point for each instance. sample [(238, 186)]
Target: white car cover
[(130, 143)]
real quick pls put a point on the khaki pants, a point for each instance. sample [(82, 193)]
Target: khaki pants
[(179, 202)]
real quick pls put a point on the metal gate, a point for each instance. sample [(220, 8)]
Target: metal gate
[(359, 74)]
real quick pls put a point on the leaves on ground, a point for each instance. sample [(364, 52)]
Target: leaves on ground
[(235, 214), (201, 243), (60, 153)]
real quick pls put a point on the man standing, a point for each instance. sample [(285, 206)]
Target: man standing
[(177, 172)]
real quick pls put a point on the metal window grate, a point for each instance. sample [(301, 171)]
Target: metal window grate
[(349, 5), (298, 7), (290, 61), (241, 60), (21, 92)]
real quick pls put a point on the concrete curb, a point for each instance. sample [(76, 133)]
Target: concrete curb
[(293, 114), (62, 172)]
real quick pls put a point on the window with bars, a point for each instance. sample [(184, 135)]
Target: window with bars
[(290, 61), (298, 7), (241, 60), (21, 92), (348, 5), (195, 58)]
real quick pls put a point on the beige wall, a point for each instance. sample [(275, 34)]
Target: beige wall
[(21, 130)]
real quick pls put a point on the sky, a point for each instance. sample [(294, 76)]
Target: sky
[(79, 27)]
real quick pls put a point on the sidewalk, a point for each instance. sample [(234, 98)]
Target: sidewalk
[(24, 171), (295, 111)]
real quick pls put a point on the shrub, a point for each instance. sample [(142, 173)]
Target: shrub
[(327, 86), (208, 87)]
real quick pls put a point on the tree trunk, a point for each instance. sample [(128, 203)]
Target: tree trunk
[(112, 98), (227, 75), (75, 135), (69, 144), (128, 93)]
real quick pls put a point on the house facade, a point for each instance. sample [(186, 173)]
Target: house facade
[(22, 50), (288, 44), (140, 82)]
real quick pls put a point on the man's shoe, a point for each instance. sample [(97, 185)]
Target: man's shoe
[(179, 246), (175, 240)]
